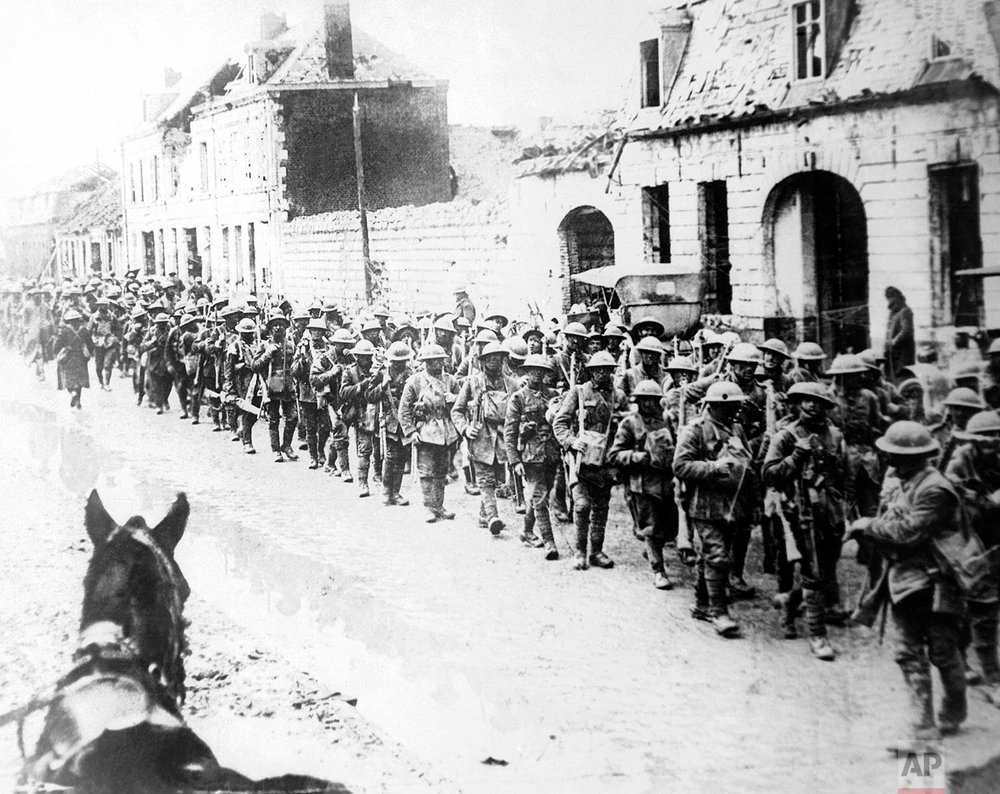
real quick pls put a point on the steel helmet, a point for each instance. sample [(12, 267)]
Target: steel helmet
[(498, 316), (363, 348), (601, 359), (681, 364), (647, 388), (202, 303), (277, 317), (745, 353), (612, 331), (137, 312), (188, 319), (708, 337), (399, 351), (536, 361), (229, 311), (485, 336), (810, 391), (964, 398), (650, 344), (301, 314), (316, 324), (515, 347), (994, 348), (431, 351), (775, 345), (869, 359), (462, 322), (72, 314), (445, 323), (847, 364), (729, 338), (343, 337), (162, 317), (249, 309), (246, 326), (371, 325), (979, 425), (907, 438), (724, 392), (575, 329), (972, 369), (379, 310), (493, 349), (809, 351), (649, 321), (911, 386)]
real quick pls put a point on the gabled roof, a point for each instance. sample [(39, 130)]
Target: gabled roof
[(373, 63), (738, 59), (101, 210)]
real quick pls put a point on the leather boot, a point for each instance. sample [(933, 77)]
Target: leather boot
[(344, 462), (430, 501), (597, 556), (718, 607), (921, 731), (738, 586), (954, 703), (439, 484), (985, 619), (288, 436), (397, 484), (364, 464)]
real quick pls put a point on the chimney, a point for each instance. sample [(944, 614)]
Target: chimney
[(675, 30), (339, 44), (272, 25), (171, 77)]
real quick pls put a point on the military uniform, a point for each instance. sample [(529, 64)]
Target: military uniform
[(238, 379), (272, 360), (479, 414), (155, 347), (105, 331), (177, 367), (324, 377), (858, 416), (314, 417), (591, 484), (356, 411), (530, 440), (387, 394), (633, 376), (425, 417)]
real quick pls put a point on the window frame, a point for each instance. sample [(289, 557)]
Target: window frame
[(819, 46), (644, 74)]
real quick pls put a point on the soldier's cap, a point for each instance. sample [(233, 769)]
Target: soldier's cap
[(229, 311), (362, 348), (379, 310), (809, 351), (485, 336), (650, 344), (445, 323), (72, 314), (331, 308), (869, 359), (499, 316), (301, 314), (612, 331), (246, 326), (575, 329), (399, 351), (316, 324), (343, 337), (538, 361), (911, 386), (162, 317), (315, 306), (249, 309), (648, 322), (515, 347), (533, 331), (252, 299), (602, 359), (724, 392), (492, 349), (963, 397), (745, 353), (431, 351), (647, 389), (981, 426), (681, 364), (404, 326), (277, 318), (188, 319), (907, 438), (847, 364), (138, 312), (810, 391), (371, 325), (775, 345)]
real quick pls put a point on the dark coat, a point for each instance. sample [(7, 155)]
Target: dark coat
[(73, 350)]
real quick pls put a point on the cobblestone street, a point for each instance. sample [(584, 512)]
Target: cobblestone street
[(461, 647)]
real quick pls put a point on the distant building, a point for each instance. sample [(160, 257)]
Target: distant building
[(33, 219), (222, 163), (89, 242)]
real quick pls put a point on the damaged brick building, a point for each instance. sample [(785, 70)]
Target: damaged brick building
[(222, 163), (802, 156)]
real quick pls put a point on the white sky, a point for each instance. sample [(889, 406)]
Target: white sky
[(72, 71)]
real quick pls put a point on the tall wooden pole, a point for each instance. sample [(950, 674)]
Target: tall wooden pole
[(360, 166)]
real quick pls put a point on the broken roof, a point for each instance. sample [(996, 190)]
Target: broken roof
[(738, 59), (101, 210), (79, 179)]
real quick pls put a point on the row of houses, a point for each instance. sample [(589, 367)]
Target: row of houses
[(789, 158)]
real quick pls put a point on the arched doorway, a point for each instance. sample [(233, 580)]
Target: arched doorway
[(817, 243), (586, 241)]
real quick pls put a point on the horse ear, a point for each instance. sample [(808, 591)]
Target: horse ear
[(97, 521), (171, 529)]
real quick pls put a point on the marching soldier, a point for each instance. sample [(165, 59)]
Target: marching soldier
[(569, 363), (240, 381), (175, 363), (72, 348), (809, 358), (155, 347), (650, 367), (775, 354), (806, 464), (341, 342), (105, 331), (714, 462), (325, 376), (134, 337), (208, 344), (478, 415), (585, 424), (272, 360), (682, 372), (425, 417), (387, 392), (190, 359), (532, 450), (313, 415), (357, 411), (974, 470), (644, 451), (961, 405), (919, 506)]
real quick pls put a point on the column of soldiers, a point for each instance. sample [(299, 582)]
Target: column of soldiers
[(713, 439)]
